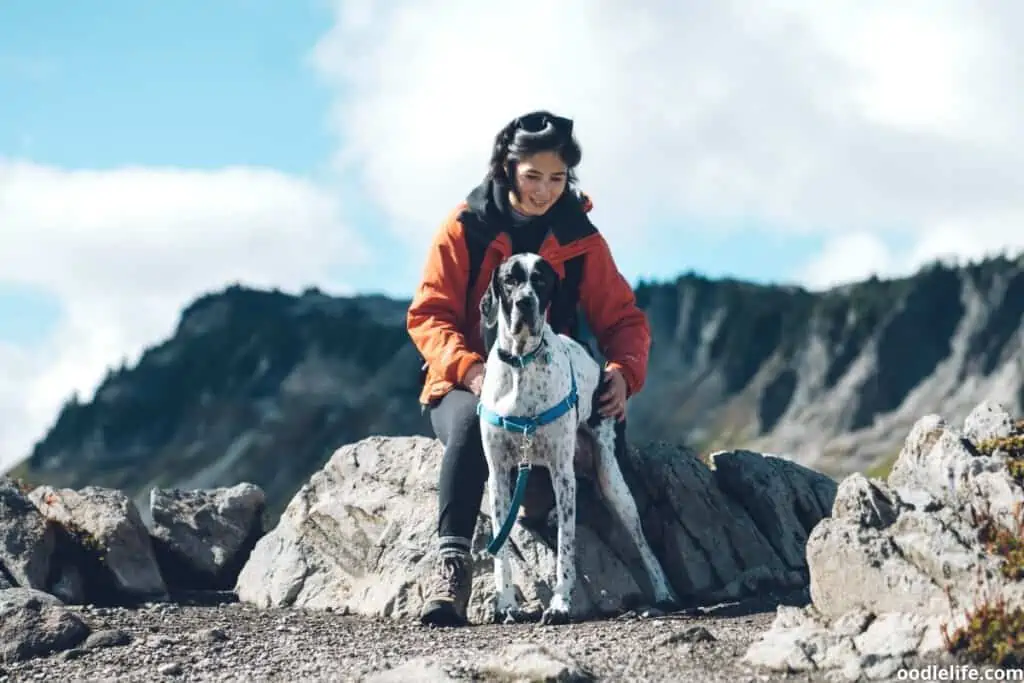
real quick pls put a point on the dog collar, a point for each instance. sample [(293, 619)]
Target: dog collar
[(523, 360)]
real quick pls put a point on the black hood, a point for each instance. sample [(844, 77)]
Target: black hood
[(488, 204)]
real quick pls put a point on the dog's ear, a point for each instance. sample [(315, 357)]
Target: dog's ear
[(489, 306), (553, 284)]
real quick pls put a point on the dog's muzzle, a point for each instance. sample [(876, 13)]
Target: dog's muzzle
[(524, 315)]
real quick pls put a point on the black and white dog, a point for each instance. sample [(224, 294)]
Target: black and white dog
[(539, 388)]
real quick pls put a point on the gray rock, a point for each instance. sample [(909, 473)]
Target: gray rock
[(202, 538), (170, 669), (107, 638), (26, 539), (35, 625), (360, 536), (897, 561), (988, 420), (18, 598), (783, 498), (116, 552), (533, 662), (421, 669), (866, 502)]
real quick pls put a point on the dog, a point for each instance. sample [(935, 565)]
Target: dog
[(539, 389)]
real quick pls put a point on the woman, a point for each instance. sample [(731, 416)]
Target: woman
[(526, 203)]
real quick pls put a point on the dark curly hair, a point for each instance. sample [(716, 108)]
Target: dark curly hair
[(524, 136)]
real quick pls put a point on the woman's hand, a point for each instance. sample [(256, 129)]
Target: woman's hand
[(613, 400), (474, 379)]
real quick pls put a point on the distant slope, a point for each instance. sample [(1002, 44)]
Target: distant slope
[(263, 386)]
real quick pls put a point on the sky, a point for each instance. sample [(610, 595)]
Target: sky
[(151, 152)]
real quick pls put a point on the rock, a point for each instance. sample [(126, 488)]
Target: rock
[(533, 662), (987, 421), (421, 669), (784, 499), (360, 536), (26, 539), (17, 598), (170, 669), (694, 634), (867, 502), (107, 638), (33, 624), (104, 537), (202, 538), (898, 561), (210, 635)]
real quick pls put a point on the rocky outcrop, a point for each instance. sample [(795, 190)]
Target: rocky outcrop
[(900, 565), (63, 547), (360, 535)]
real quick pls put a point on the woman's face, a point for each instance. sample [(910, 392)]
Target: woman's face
[(541, 180)]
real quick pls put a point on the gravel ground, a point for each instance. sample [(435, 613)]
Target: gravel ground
[(235, 642)]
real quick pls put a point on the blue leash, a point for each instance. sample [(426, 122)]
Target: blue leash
[(517, 499)]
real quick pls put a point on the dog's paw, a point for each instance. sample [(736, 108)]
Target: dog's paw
[(513, 615), (555, 616)]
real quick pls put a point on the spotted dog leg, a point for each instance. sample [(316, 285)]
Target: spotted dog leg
[(563, 481), (497, 483), (619, 498)]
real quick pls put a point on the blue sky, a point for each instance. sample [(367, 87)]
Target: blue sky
[(152, 151), (206, 85), (193, 84)]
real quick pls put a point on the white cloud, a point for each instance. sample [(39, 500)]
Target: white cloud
[(125, 250), (846, 258), (868, 118)]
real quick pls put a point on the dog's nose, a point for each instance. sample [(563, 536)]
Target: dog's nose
[(522, 304)]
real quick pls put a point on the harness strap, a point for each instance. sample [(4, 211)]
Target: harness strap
[(525, 424)]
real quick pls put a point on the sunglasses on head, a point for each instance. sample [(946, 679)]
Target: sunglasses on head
[(534, 123)]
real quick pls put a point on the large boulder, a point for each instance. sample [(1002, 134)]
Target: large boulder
[(26, 539), (900, 564), (104, 549), (202, 538), (360, 536)]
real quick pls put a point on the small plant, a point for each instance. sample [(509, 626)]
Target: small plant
[(992, 635), (1013, 446), (1005, 543)]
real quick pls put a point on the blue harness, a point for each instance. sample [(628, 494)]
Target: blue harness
[(526, 426)]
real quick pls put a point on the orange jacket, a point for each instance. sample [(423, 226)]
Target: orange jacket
[(448, 336)]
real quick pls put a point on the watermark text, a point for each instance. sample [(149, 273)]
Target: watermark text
[(958, 672)]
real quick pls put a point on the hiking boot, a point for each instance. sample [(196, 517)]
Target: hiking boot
[(449, 593)]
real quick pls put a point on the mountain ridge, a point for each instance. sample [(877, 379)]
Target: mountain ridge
[(262, 386)]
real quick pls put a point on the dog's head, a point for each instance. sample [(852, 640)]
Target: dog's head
[(514, 308)]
